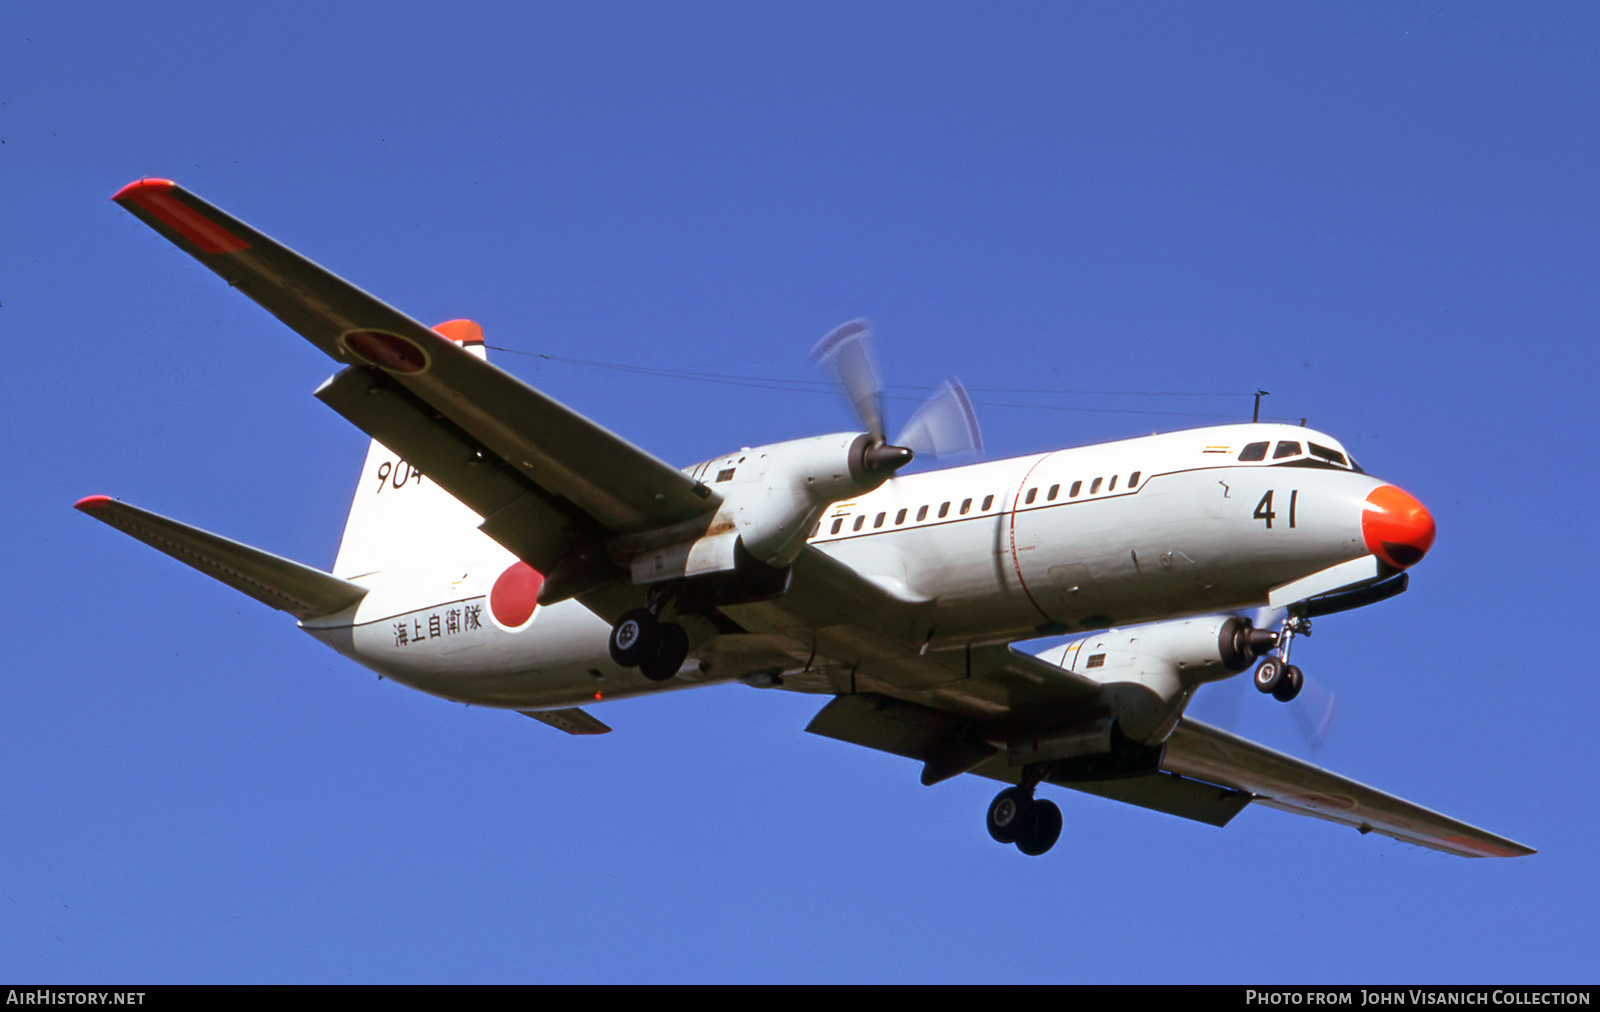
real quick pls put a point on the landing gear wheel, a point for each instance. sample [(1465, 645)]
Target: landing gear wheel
[(1269, 674), (1041, 829), (672, 646), (1008, 814), (633, 638), (1289, 685)]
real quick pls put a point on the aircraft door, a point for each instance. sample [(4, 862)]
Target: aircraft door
[(1061, 587)]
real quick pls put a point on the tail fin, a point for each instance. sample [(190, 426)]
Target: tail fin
[(399, 518)]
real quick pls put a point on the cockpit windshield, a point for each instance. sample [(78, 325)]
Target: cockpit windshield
[(1293, 453)]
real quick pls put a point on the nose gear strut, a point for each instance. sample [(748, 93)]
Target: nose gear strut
[(1275, 675)]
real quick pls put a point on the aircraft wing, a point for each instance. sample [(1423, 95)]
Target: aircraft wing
[(1206, 753), (852, 634), (618, 486)]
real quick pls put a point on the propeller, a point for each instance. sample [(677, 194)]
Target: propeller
[(944, 425), (1315, 710)]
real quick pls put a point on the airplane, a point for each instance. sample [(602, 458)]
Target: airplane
[(504, 551)]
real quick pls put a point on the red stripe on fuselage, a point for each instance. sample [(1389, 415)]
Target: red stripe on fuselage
[(1016, 563)]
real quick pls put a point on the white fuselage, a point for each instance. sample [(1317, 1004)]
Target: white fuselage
[(1111, 534)]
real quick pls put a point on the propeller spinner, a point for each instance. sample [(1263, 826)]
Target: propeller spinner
[(944, 425)]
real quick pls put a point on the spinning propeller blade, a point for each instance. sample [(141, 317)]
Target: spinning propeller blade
[(945, 424), (1315, 710), (846, 345)]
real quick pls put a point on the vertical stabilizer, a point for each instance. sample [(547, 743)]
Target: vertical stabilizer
[(399, 518)]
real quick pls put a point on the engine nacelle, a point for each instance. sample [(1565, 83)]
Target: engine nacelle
[(1149, 673), (781, 491), (771, 498)]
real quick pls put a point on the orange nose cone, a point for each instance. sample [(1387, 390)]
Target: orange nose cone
[(1398, 529)]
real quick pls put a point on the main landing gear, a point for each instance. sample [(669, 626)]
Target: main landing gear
[(656, 648), (1016, 816), (1275, 675)]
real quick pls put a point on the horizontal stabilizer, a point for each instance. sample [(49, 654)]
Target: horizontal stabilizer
[(571, 720), (301, 591), (1284, 782)]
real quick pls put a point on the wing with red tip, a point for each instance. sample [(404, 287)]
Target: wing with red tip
[(620, 487), (277, 582), (1202, 752)]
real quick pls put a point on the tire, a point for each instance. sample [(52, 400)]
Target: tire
[(672, 647), (1008, 814), (1041, 830), (633, 638), (1269, 673), (1289, 686)]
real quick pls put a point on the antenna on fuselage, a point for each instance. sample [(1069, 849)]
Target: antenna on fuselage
[(1255, 416)]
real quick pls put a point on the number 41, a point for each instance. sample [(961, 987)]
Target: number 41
[(1265, 512)]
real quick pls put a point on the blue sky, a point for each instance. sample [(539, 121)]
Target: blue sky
[(1383, 213)]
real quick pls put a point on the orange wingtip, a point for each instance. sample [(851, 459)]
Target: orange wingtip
[(92, 502), (138, 186), (460, 331), (156, 198)]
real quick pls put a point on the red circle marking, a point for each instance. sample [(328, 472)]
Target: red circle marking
[(391, 351), (515, 595)]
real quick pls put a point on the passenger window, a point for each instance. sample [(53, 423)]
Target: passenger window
[(1133, 480), (1286, 449), (836, 525), (1332, 456), (1072, 493), (1051, 495), (1096, 661), (944, 510), (922, 514), (966, 504), (1033, 494), (726, 474), (878, 522), (988, 501), (859, 521), (1255, 451), (1113, 486), (1095, 486), (900, 518)]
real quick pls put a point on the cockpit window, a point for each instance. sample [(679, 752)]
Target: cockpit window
[(1332, 456), (1255, 451), (1286, 448)]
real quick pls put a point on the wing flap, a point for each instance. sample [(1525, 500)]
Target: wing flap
[(623, 488), (942, 742), (447, 455), (848, 623), (1280, 781), (280, 583)]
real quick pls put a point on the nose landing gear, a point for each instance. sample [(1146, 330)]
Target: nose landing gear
[(640, 640), (1275, 675), (1016, 816)]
